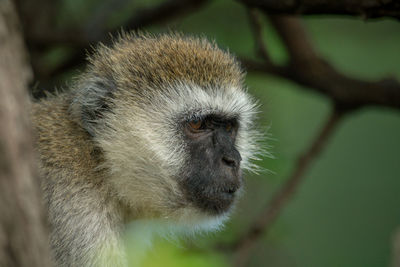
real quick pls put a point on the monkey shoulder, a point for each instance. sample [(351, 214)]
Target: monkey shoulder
[(81, 211)]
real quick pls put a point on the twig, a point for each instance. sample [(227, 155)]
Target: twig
[(82, 41), (365, 9), (256, 28), (261, 225), (80, 38), (345, 91), (308, 69), (295, 38), (165, 11), (96, 23)]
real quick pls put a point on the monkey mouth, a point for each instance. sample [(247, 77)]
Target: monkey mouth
[(215, 204), (214, 199)]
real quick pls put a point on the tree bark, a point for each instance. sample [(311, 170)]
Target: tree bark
[(23, 231)]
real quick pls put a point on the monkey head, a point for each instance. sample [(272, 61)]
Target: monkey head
[(174, 124)]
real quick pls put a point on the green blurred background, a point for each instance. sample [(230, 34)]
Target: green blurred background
[(348, 208)]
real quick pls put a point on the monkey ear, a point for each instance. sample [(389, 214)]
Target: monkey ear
[(92, 97)]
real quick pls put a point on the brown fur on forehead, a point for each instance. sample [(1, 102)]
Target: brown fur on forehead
[(145, 61)]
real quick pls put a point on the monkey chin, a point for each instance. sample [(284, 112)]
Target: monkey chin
[(192, 220), (187, 222)]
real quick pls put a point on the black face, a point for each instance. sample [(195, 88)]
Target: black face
[(213, 175)]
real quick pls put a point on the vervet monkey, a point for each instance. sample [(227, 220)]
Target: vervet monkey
[(157, 128)]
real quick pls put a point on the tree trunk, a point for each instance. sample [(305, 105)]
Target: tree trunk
[(23, 231)]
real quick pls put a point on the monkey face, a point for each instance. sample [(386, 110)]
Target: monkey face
[(212, 175), (179, 153), (175, 126)]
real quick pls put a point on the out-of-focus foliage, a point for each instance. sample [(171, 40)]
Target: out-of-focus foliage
[(171, 256), (348, 208)]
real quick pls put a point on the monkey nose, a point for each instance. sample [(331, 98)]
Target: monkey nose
[(232, 159), (229, 161)]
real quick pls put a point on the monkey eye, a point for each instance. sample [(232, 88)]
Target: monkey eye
[(228, 127), (196, 124), (198, 127), (201, 127)]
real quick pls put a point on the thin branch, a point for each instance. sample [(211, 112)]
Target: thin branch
[(365, 9), (165, 11), (82, 40), (96, 22), (262, 224), (143, 17), (256, 27), (295, 38), (345, 91), (309, 70)]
